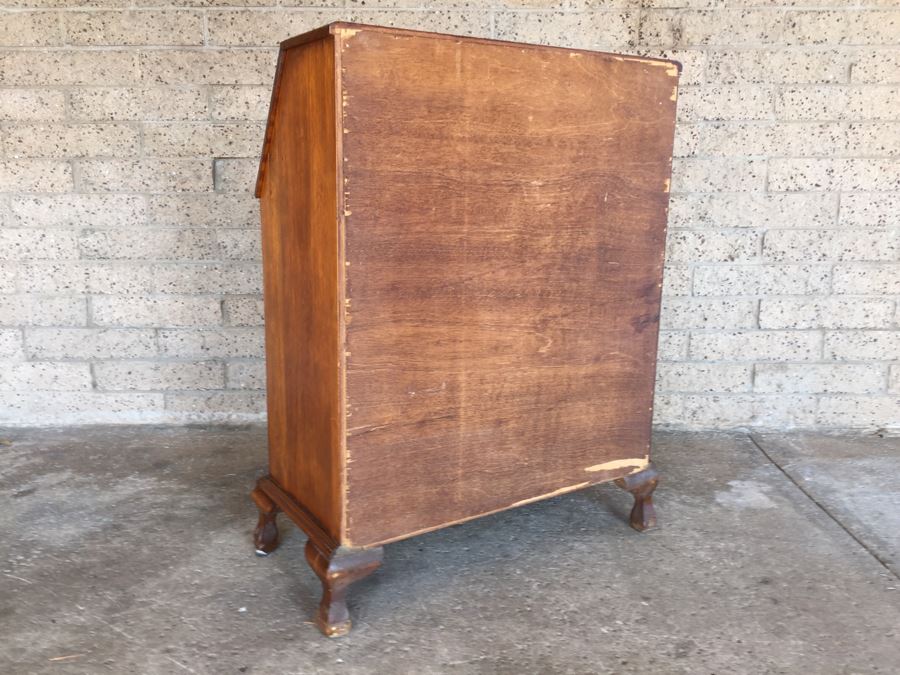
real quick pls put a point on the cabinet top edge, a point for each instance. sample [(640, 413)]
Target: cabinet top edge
[(347, 30)]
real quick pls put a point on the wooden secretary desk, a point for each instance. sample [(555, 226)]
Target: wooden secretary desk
[(463, 249)]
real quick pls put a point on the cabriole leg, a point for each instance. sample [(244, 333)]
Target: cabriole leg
[(265, 536), (641, 485), (337, 570)]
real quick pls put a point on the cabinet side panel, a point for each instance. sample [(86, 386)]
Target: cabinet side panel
[(505, 238), (301, 272)]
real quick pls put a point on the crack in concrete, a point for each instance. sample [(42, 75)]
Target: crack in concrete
[(824, 508)]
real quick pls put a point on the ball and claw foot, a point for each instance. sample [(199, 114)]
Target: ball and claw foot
[(641, 485), (337, 570), (265, 536)]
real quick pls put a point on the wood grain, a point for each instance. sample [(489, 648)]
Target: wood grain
[(301, 253), (505, 213)]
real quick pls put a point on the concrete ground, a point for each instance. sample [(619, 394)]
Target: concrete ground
[(127, 550)]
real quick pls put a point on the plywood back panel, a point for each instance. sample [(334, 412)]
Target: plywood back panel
[(505, 225)]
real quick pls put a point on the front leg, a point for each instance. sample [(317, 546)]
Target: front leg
[(641, 485), (265, 536), (337, 569)]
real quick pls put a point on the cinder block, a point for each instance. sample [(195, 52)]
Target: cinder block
[(679, 4), (712, 245), (718, 175), (51, 278), (703, 377), (181, 139), (862, 345), (762, 280), (243, 343), (812, 103), (44, 376), (858, 411), (267, 27), (235, 175), (167, 244), (858, 27), (821, 245), (757, 345), (748, 139), (688, 140), (134, 27), (76, 67), (666, 409), (30, 29), (817, 27), (819, 378), (71, 140), (870, 210), (221, 406), (871, 279), (726, 27), (724, 411), (772, 66), (64, 408), (440, 20), (76, 210), (753, 210), (6, 217), (873, 103), (768, 138), (34, 310), (21, 105), (145, 175), (10, 273), (239, 103), (123, 311), (159, 376), (121, 278), (244, 311), (35, 175), (464, 4), (877, 67), (11, 344), (246, 375), (838, 103), (138, 104), (677, 280), (673, 345), (227, 278), (614, 29), (45, 278), (437, 4), (209, 66), (240, 244), (787, 175), (781, 411), (204, 210), (89, 343), (18, 244), (825, 313), (305, 3), (725, 102), (873, 139), (686, 313)]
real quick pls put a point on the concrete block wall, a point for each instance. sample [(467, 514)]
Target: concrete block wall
[(129, 247)]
